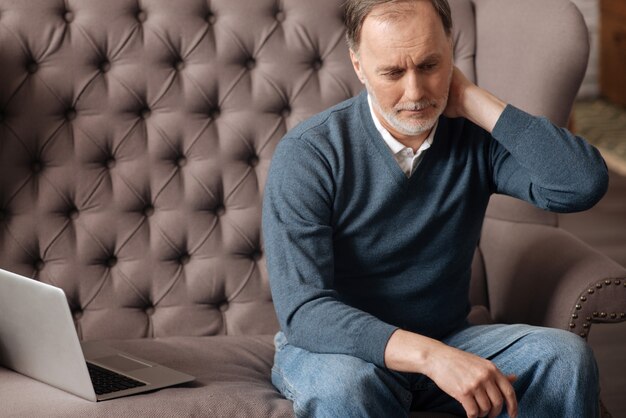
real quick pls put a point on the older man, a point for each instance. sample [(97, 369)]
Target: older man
[(372, 212)]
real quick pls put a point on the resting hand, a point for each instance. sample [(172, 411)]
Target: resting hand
[(476, 383), (467, 100)]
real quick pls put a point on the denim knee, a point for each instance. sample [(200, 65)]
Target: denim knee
[(572, 354), (333, 385), (564, 359)]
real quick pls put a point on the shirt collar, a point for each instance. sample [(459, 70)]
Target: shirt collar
[(394, 145)]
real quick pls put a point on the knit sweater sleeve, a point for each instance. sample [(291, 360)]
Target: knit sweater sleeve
[(536, 161), (298, 240)]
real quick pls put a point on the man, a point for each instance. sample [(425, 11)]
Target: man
[(372, 212)]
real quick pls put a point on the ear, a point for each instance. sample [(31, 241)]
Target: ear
[(356, 65)]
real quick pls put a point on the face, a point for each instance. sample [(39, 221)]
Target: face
[(405, 61)]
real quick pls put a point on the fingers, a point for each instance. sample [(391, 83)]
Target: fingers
[(505, 387), (490, 401), (470, 406), (496, 400), (484, 403)]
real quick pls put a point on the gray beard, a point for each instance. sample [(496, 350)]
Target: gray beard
[(408, 128)]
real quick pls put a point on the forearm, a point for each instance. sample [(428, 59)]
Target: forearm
[(481, 107), (531, 158), (546, 165), (467, 100), (327, 325)]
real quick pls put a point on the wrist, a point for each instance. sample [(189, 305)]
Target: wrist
[(409, 352), (483, 108)]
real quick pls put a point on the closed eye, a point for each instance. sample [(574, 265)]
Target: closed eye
[(428, 66), (393, 74)]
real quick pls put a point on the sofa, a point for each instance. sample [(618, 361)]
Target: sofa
[(135, 139)]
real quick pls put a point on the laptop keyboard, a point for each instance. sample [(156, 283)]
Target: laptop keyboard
[(107, 381)]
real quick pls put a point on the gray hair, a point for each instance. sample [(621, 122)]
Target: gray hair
[(356, 11)]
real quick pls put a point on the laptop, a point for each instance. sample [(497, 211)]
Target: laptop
[(38, 339)]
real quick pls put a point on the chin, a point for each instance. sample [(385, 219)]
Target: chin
[(413, 127)]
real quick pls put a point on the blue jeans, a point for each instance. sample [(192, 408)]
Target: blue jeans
[(556, 374)]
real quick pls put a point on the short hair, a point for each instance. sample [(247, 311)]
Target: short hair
[(355, 12)]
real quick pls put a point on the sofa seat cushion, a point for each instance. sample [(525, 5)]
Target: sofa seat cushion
[(233, 380)]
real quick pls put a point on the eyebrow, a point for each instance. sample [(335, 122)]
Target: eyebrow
[(389, 68)]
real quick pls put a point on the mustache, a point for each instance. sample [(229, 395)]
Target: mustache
[(415, 106)]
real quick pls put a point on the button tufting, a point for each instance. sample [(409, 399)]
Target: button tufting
[(220, 210), (211, 18), (32, 67), (111, 261), (149, 310), (280, 16), (70, 114), (253, 161), (285, 112), (250, 63), (36, 166), (181, 161), (141, 16), (78, 314), (214, 113), (256, 256), (144, 113), (68, 17), (317, 64), (105, 66), (148, 210), (73, 214), (224, 306), (39, 264), (110, 162), (184, 258), (179, 65)]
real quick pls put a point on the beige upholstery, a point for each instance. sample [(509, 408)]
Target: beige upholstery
[(135, 139)]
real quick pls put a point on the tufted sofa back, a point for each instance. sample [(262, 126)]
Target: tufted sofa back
[(135, 138)]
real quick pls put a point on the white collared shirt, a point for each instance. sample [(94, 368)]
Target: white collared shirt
[(406, 158)]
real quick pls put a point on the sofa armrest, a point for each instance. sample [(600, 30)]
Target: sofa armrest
[(543, 275)]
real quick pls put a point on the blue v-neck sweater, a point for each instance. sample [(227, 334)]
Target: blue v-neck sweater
[(355, 249)]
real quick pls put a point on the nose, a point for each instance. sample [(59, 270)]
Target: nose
[(413, 88)]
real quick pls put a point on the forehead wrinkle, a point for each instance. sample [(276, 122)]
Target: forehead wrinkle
[(393, 11), (387, 37), (395, 47)]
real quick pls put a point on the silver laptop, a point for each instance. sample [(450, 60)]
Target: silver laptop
[(38, 339)]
